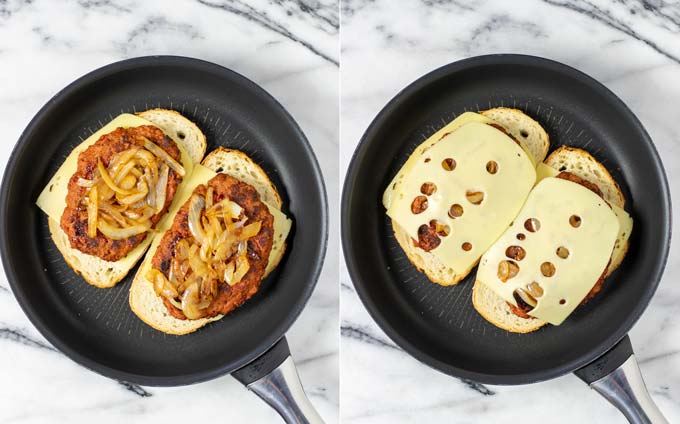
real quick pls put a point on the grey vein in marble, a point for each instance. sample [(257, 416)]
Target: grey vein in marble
[(157, 23), (605, 16), (362, 335), (250, 13), (504, 21), (17, 335), (134, 388), (103, 6)]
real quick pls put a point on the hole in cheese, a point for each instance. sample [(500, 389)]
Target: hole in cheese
[(455, 211), (532, 225), (562, 252), (575, 221), (562, 301), (427, 160), (467, 246), (547, 269), (440, 228), (428, 188), (419, 205), (535, 289), (515, 252), (507, 270), (492, 167), (449, 164), (521, 236), (474, 197)]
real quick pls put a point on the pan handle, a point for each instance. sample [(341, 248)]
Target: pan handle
[(616, 376), (275, 380)]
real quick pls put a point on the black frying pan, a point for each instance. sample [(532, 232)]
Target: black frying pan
[(438, 325), (95, 327)]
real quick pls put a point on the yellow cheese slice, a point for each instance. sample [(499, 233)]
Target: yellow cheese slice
[(625, 221), (202, 175), (625, 229), (461, 120), (52, 200), (544, 171), (472, 147), (452, 126), (553, 202)]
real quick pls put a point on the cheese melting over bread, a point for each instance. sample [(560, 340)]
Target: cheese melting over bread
[(561, 241), (625, 220), (450, 175)]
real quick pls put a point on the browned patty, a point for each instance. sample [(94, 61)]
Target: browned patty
[(428, 238), (74, 219), (228, 297), (523, 308)]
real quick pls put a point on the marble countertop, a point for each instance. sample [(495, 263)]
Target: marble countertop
[(288, 47), (633, 47)]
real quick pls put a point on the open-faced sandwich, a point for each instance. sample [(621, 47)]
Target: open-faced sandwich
[(226, 236), (462, 187), (107, 198), (548, 233), (213, 232), (570, 235)]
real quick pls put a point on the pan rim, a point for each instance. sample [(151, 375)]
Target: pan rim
[(315, 266), (350, 182)]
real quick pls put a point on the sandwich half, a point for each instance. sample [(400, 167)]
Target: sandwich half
[(225, 236), (114, 189), (461, 188), (571, 234)]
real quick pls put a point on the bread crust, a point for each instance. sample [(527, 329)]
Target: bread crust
[(213, 159)]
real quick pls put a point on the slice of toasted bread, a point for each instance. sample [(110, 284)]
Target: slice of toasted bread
[(104, 274), (147, 305), (515, 122), (579, 162), (522, 127), (495, 310), (242, 167), (180, 129)]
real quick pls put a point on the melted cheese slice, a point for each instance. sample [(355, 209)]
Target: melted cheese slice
[(395, 185), (544, 171), (552, 202), (52, 200), (472, 146), (625, 220)]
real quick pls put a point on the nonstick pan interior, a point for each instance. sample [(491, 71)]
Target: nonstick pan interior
[(95, 326), (439, 325)]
